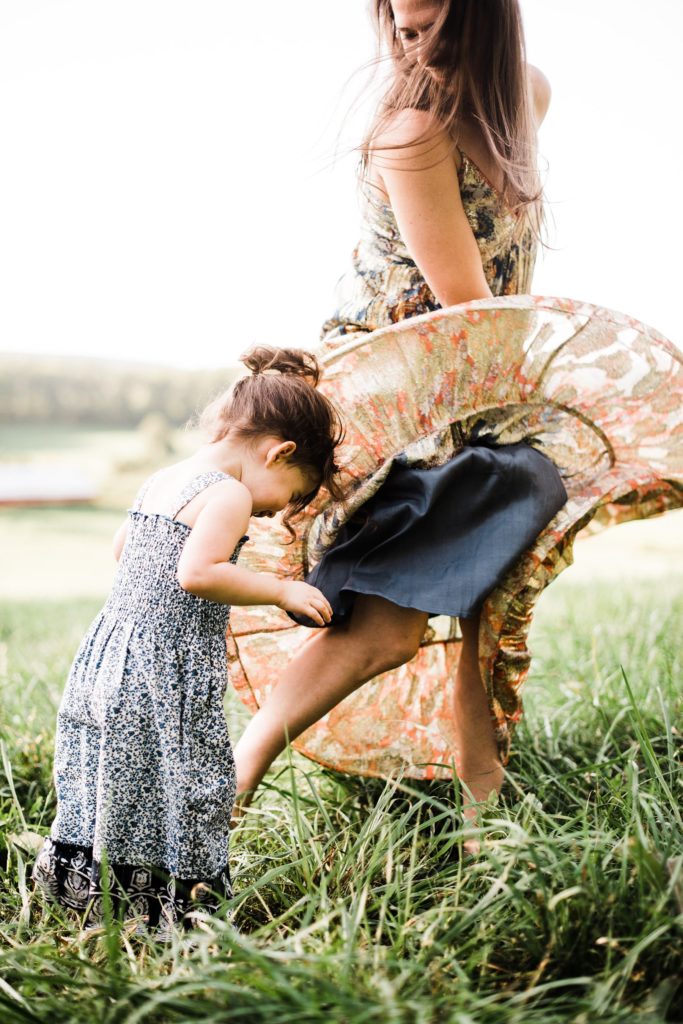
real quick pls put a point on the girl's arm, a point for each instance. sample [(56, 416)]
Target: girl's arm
[(120, 539), (421, 181), (204, 570)]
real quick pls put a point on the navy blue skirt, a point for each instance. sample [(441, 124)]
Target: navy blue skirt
[(439, 540)]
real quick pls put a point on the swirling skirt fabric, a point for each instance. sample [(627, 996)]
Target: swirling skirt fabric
[(596, 391)]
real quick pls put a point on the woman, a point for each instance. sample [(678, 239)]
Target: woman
[(452, 209)]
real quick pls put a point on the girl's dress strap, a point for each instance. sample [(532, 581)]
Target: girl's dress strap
[(193, 487), (140, 496)]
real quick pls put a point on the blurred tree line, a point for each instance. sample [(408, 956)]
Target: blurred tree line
[(100, 392)]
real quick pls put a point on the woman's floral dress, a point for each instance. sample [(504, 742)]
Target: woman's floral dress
[(599, 392)]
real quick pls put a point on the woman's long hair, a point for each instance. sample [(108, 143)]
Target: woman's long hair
[(472, 65)]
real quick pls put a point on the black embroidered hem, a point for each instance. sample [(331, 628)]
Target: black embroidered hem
[(67, 874)]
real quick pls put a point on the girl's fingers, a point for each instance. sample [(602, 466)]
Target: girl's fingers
[(319, 598), (318, 609), (321, 607), (314, 614), (325, 609)]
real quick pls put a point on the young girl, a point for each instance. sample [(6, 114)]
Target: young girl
[(143, 764)]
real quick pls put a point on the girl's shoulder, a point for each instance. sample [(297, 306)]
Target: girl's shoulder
[(230, 491), (217, 488), (223, 500), (181, 486)]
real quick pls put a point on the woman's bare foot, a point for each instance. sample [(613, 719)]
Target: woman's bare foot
[(480, 786)]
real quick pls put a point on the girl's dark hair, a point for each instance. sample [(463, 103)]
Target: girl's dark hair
[(477, 46), (280, 398)]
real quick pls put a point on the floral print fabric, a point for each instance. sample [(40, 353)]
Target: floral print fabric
[(385, 286), (600, 393), (143, 762)]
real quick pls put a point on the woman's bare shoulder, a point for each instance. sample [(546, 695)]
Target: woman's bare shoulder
[(401, 126), (539, 88), (409, 135)]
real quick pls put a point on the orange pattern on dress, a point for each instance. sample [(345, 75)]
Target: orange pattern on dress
[(597, 391)]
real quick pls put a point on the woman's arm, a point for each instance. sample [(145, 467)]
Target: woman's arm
[(204, 569), (421, 182)]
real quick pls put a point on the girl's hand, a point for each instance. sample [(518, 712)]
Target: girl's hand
[(303, 599), (204, 569)]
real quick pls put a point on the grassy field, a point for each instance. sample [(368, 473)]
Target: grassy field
[(352, 903)]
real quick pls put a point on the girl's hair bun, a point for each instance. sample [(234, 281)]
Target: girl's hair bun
[(280, 398), (292, 361)]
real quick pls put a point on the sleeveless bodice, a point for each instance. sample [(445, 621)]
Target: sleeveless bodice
[(384, 285), (146, 590)]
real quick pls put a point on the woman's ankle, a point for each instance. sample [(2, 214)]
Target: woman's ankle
[(481, 780)]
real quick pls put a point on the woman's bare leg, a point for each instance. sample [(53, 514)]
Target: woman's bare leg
[(332, 664), (336, 661), (480, 768)]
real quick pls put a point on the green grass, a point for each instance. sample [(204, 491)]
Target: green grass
[(352, 902), (46, 442)]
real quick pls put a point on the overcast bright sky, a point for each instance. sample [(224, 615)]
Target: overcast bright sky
[(166, 191)]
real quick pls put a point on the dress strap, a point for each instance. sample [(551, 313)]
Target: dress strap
[(140, 496), (193, 487)]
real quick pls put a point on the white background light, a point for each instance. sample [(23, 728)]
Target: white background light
[(165, 188)]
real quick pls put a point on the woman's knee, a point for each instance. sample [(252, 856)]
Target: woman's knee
[(395, 654), (387, 636), (383, 655)]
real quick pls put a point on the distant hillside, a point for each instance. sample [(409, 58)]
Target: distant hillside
[(101, 392)]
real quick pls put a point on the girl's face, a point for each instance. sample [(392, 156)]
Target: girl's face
[(274, 481), (414, 20)]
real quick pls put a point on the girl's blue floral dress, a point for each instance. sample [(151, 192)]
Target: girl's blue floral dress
[(143, 762)]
